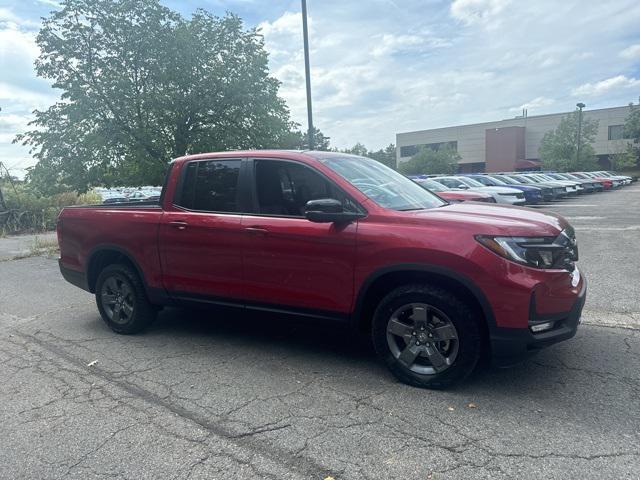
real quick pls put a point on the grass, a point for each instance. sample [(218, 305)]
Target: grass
[(41, 248)]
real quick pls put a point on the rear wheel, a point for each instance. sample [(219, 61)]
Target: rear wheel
[(427, 337), (122, 301)]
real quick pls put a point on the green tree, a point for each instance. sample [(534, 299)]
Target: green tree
[(624, 156), (429, 161), (385, 155), (558, 149), (299, 140), (142, 85), (632, 124), (632, 130)]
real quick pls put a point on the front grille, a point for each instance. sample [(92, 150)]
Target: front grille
[(488, 199)]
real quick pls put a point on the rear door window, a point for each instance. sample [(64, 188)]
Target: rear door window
[(211, 186)]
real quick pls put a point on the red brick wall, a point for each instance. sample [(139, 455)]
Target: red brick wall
[(503, 147)]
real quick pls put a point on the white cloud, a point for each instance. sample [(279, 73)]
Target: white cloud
[(472, 12), (378, 69), (632, 52), (535, 104), (619, 82)]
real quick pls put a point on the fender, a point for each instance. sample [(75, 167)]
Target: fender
[(429, 269), (155, 295)]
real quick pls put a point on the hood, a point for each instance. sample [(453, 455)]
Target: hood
[(526, 188), (462, 194), (491, 219), (497, 190)]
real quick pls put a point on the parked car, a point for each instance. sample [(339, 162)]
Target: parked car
[(114, 200), (626, 180), (570, 187), (590, 186), (558, 187), (509, 196), (453, 195), (334, 237), (608, 183), (549, 192), (532, 195)]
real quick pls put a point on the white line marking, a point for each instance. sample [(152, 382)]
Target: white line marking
[(573, 205), (584, 218), (607, 229)]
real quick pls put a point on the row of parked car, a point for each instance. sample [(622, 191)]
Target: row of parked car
[(129, 194), (520, 188)]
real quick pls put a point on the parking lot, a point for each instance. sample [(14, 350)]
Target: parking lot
[(224, 395)]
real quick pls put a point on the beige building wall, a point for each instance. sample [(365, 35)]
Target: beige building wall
[(471, 138)]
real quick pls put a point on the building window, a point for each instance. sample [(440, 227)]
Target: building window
[(411, 150), (616, 132), (408, 151)]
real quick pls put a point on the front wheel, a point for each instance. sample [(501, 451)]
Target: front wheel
[(427, 336), (122, 301)]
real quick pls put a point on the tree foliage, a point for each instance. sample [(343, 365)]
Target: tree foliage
[(632, 124), (142, 85), (430, 161), (299, 140), (559, 148), (386, 155), (632, 132)]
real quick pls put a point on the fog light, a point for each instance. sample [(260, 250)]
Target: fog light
[(541, 327)]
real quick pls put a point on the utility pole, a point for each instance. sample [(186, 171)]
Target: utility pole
[(580, 107), (307, 69)]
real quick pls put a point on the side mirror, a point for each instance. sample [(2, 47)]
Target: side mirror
[(328, 210), (462, 186)]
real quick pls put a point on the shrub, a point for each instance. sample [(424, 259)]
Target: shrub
[(30, 212)]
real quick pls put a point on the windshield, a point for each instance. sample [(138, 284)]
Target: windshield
[(431, 185), (496, 181), (386, 187), (470, 182), (523, 179), (505, 180)]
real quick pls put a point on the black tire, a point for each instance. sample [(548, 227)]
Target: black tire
[(130, 311), (465, 341)]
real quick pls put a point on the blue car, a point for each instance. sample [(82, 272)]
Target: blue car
[(532, 194)]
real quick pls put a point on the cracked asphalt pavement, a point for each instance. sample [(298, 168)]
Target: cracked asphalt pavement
[(231, 396)]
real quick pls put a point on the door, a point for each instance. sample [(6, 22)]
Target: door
[(201, 234), (288, 260)]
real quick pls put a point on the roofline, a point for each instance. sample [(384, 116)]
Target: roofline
[(507, 120)]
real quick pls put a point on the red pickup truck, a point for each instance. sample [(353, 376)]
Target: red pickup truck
[(334, 237)]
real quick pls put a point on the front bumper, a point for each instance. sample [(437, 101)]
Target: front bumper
[(511, 345)]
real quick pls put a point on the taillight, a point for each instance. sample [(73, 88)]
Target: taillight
[(59, 231)]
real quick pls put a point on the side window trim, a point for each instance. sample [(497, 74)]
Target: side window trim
[(177, 197), (251, 178)]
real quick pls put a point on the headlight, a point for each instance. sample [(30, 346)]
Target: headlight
[(537, 252)]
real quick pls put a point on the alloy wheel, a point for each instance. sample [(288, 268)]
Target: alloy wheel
[(118, 299), (422, 338)]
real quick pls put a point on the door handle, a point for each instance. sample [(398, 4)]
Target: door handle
[(180, 225), (257, 230)]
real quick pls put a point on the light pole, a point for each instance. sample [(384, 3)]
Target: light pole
[(580, 107), (305, 35)]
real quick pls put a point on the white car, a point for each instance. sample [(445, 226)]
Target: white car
[(623, 178), (572, 187), (508, 195)]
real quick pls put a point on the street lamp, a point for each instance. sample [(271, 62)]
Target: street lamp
[(580, 106), (305, 35)]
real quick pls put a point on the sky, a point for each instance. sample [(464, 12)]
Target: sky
[(379, 67)]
